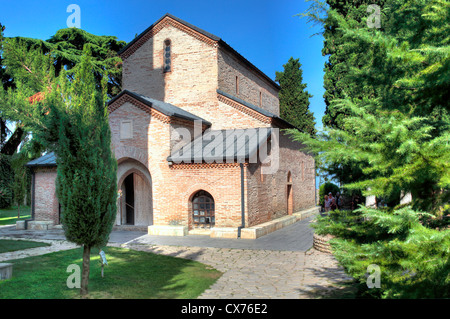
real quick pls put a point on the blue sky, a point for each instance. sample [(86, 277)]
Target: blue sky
[(266, 32)]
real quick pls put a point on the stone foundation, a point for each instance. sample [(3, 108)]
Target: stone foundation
[(6, 271), (168, 230), (266, 228)]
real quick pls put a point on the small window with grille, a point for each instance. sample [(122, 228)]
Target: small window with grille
[(203, 210)]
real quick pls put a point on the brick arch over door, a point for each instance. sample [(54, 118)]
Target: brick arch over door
[(130, 152)]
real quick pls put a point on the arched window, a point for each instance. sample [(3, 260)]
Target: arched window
[(167, 56), (203, 210)]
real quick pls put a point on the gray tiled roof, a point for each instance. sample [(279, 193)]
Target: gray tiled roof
[(222, 145), (44, 161), (163, 107)]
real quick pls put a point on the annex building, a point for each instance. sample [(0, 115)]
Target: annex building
[(198, 139)]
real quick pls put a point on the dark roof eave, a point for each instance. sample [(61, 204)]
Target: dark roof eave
[(152, 105), (41, 165), (277, 120)]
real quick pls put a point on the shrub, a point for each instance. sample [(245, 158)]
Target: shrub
[(414, 260)]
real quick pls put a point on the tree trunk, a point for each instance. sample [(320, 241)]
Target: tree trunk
[(13, 142), (85, 271)]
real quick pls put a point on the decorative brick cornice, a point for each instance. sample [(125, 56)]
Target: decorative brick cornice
[(205, 165), (158, 27), (186, 123), (126, 98), (244, 109)]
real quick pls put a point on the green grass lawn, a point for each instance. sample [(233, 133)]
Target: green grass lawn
[(129, 275), (7, 245), (8, 216)]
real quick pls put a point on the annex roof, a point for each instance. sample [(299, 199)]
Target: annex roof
[(222, 146), (47, 160)]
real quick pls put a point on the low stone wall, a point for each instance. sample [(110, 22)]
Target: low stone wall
[(34, 225), (321, 243), (167, 230), (224, 232), (276, 224)]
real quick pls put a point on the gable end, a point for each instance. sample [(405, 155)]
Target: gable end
[(160, 24)]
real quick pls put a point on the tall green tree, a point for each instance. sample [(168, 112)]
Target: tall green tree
[(22, 67), (27, 69), (294, 99), (395, 129), (344, 56), (70, 117), (86, 167), (397, 134)]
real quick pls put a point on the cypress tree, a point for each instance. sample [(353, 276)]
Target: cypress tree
[(86, 172), (294, 99), (69, 117)]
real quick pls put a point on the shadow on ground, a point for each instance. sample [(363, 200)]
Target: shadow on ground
[(330, 283)]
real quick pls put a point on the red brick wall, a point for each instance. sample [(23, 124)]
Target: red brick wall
[(199, 68), (250, 83), (267, 194), (46, 204)]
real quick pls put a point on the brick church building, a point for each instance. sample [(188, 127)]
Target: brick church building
[(186, 95)]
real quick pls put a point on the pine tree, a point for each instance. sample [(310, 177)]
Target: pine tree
[(294, 99), (24, 67), (396, 136)]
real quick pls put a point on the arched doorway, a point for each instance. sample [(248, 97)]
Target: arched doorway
[(128, 200), (135, 206), (203, 210), (289, 196)]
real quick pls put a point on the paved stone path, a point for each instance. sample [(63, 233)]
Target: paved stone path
[(269, 274)]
